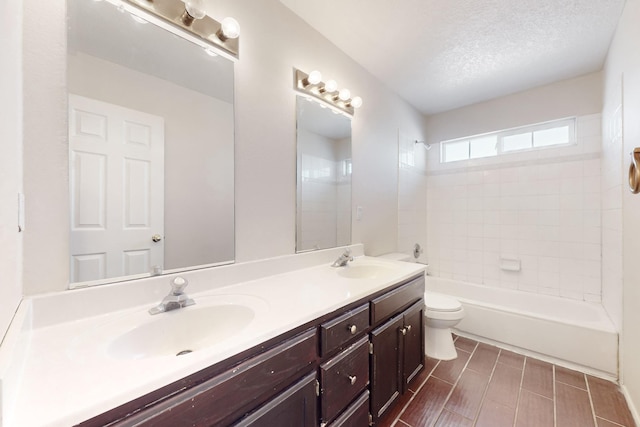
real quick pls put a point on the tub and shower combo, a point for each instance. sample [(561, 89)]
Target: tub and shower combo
[(564, 331)]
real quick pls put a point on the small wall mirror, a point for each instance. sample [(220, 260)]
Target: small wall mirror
[(323, 177), (151, 146)]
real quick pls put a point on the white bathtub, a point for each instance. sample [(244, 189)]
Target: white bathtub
[(576, 332)]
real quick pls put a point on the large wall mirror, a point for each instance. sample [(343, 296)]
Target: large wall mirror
[(323, 177), (151, 146)]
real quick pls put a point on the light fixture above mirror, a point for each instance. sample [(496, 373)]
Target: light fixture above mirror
[(190, 16), (327, 92)]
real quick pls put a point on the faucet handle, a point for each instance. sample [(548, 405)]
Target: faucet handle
[(178, 284)]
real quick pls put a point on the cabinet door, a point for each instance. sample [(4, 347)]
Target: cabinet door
[(386, 381), (413, 336), (295, 407)]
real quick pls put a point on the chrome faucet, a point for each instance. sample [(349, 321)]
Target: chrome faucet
[(176, 298), (343, 259)]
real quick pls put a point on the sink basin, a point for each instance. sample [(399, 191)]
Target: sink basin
[(135, 334), (182, 331), (365, 271)]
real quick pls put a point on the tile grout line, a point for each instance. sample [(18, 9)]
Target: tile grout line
[(484, 394), (454, 385), (515, 417), (414, 394), (397, 419), (593, 409)]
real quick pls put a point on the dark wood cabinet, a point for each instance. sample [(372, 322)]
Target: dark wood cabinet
[(413, 343), (336, 332), (345, 369), (356, 415), (397, 357), (295, 407), (386, 383), (343, 378)]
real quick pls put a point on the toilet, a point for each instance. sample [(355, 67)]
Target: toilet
[(441, 313)]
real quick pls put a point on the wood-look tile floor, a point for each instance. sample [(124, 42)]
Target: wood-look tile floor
[(490, 387)]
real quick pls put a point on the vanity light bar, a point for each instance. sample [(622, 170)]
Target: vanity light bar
[(222, 38), (312, 86)]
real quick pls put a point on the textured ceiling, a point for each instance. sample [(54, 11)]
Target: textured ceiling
[(444, 54)]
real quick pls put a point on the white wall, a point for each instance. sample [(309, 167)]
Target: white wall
[(540, 207), (624, 62), (10, 157), (198, 130), (46, 157), (273, 42)]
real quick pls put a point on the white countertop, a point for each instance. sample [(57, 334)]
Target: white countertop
[(66, 378)]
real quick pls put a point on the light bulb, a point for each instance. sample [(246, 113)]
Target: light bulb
[(344, 94), (230, 28), (330, 86), (356, 102), (195, 8), (314, 77)]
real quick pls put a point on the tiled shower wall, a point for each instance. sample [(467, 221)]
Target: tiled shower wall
[(612, 179), (543, 210), (412, 196)]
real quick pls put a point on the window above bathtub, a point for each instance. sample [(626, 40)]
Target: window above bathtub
[(524, 138)]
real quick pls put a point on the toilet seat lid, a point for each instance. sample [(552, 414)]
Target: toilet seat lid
[(439, 302)]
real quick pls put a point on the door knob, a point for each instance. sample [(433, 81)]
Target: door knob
[(156, 238)]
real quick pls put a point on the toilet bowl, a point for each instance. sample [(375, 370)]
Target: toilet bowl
[(441, 313)]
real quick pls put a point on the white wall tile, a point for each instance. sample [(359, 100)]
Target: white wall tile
[(546, 212)]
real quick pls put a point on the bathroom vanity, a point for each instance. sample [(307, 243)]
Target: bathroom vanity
[(285, 341), (346, 368)]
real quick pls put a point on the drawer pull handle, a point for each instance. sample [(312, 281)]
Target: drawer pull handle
[(352, 379), (353, 329), (408, 328)]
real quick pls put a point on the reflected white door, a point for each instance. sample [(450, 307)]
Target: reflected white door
[(117, 190)]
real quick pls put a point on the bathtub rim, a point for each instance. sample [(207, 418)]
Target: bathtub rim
[(604, 323)]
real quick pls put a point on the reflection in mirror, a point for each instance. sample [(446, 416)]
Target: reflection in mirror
[(151, 149), (323, 177)]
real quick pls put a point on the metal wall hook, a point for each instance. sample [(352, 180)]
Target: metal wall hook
[(634, 171)]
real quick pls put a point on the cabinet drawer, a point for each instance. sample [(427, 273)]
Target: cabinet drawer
[(343, 377), (338, 331), (296, 406), (392, 302), (229, 395), (356, 415)]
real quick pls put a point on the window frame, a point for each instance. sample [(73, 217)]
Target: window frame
[(569, 122)]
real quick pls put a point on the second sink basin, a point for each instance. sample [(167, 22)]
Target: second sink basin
[(365, 271)]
